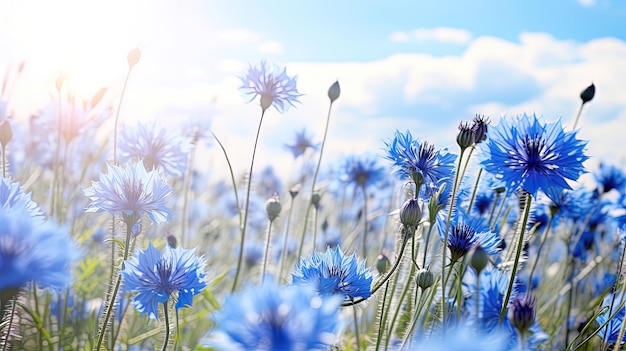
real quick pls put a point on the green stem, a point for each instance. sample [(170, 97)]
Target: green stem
[(445, 242), (167, 326), (317, 169), (267, 250), (283, 253), (356, 328), (471, 203), (381, 322), (518, 253), (110, 306), (247, 205), (365, 228), (580, 110), (544, 236), (186, 190)]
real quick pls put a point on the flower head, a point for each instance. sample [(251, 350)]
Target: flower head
[(610, 177), (465, 233), (130, 191), (274, 87), (333, 273), (412, 160), (527, 154), (272, 317), (362, 172), (33, 250), (301, 144), (157, 147), (12, 196), (156, 277)]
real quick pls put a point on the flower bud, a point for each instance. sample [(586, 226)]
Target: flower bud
[(522, 313), (315, 200), (334, 91), (171, 240), (411, 213), (133, 57), (588, 94), (479, 259), (465, 137), (480, 126), (382, 264), (295, 190), (273, 208), (424, 279), (6, 133)]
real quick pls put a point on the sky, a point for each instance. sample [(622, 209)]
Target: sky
[(422, 66)]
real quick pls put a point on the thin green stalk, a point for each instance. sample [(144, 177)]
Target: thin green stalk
[(186, 190), (232, 178), (283, 253), (536, 260), (247, 205), (445, 241), (315, 217), (381, 324), (110, 306), (267, 250), (176, 339), (430, 230), (167, 326), (317, 169), (117, 114), (580, 110), (365, 227), (9, 327), (473, 197), (518, 253), (356, 328)]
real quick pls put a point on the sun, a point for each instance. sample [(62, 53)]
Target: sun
[(85, 42)]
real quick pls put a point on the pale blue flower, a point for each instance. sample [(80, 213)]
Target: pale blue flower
[(158, 148), (157, 277), (273, 85), (130, 191), (302, 143), (12, 196)]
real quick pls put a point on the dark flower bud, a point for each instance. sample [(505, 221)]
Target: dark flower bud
[(522, 313), (424, 278), (588, 94), (315, 200), (295, 190), (465, 137), (480, 125), (411, 213), (479, 259), (6, 133), (273, 208), (133, 57), (325, 225), (334, 91), (382, 264), (171, 240)]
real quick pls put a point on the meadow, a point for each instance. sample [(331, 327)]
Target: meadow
[(506, 241)]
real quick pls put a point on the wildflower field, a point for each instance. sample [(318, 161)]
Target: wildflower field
[(504, 240)]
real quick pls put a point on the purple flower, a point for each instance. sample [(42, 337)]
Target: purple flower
[(274, 86)]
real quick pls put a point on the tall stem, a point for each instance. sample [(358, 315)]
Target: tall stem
[(283, 253), (518, 254), (186, 191), (356, 328), (167, 326), (317, 169), (365, 226), (445, 241), (117, 115), (110, 305), (471, 202), (247, 205), (580, 110), (267, 250)]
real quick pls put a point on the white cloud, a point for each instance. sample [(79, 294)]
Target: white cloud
[(271, 47), (587, 3), (441, 34)]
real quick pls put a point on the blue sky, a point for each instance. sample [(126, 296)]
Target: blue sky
[(417, 65)]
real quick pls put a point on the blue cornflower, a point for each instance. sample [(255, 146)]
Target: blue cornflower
[(158, 148), (573, 205), (362, 172), (274, 87), (130, 191), (302, 144), (418, 162), (465, 233), (610, 177), (493, 286), (463, 338), (272, 317), (527, 154), (12, 196), (156, 277), (33, 250), (332, 273)]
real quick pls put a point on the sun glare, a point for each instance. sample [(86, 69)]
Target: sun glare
[(85, 42)]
